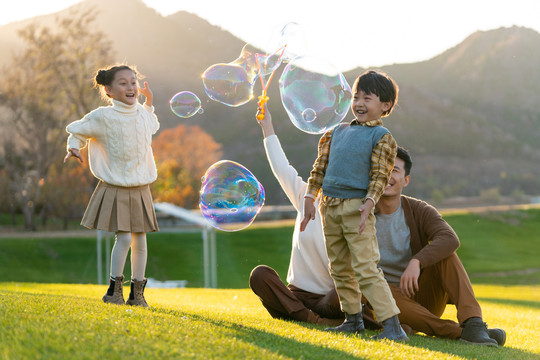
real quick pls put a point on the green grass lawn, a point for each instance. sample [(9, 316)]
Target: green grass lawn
[(41, 318), (66, 321)]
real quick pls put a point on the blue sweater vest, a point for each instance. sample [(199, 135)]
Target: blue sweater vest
[(349, 162)]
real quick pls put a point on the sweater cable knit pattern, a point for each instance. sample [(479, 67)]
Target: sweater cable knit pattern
[(119, 141)]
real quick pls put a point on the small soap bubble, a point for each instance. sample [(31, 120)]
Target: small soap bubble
[(185, 104), (230, 196), (315, 94), (309, 115)]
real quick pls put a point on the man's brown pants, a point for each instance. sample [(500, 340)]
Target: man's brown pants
[(290, 302), (443, 283)]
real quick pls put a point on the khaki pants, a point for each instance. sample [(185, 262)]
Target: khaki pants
[(353, 260), (445, 282)]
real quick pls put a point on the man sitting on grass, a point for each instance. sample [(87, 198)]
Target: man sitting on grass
[(419, 262)]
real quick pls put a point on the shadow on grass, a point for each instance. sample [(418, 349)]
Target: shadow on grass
[(292, 348), (457, 348), (279, 345), (468, 351), (524, 303), (288, 347)]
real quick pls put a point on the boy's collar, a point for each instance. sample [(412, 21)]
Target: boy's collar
[(377, 122)]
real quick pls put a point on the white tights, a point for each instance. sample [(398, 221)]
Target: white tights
[(137, 242)]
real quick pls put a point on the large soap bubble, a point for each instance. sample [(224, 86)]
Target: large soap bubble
[(230, 196), (291, 37), (315, 94), (185, 104), (268, 63), (232, 83)]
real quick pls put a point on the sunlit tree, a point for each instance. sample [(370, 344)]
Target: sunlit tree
[(182, 156), (47, 85)]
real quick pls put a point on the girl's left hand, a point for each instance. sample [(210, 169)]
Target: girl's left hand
[(147, 93), (75, 153)]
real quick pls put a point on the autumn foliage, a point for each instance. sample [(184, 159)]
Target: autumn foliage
[(182, 156)]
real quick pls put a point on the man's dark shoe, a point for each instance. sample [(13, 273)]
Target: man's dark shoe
[(499, 335), (392, 330), (475, 332), (354, 323)]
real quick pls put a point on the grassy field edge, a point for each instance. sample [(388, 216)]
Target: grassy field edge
[(68, 321)]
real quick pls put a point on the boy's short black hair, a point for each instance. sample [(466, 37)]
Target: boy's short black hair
[(404, 155), (380, 84)]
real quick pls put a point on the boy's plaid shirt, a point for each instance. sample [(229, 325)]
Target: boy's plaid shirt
[(382, 163)]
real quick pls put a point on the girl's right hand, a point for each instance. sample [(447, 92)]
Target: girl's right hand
[(74, 152), (147, 93)]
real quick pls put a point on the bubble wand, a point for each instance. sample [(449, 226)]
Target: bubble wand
[(263, 99)]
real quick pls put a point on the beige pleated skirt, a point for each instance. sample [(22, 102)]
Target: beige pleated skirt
[(115, 208)]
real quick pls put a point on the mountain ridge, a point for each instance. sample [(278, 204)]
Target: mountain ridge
[(468, 115)]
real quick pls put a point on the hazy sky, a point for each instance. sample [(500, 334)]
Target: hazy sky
[(347, 33)]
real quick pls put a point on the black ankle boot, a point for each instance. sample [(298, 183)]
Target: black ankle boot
[(499, 335), (392, 330), (475, 332), (354, 323), (114, 294), (136, 296)]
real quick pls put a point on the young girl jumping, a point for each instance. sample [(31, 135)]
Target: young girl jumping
[(119, 140)]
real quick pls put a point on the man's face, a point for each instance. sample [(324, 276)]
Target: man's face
[(397, 180)]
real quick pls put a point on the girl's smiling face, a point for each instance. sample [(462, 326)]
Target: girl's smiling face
[(124, 87)]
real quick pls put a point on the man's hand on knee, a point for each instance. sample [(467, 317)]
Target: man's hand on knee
[(409, 278)]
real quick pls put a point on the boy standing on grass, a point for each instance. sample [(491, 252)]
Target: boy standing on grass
[(352, 169)]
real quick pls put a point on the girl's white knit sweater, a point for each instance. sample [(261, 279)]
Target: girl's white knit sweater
[(119, 143)]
